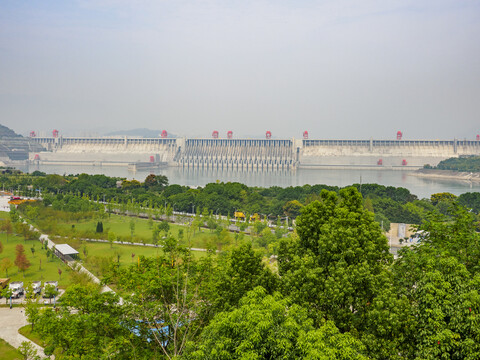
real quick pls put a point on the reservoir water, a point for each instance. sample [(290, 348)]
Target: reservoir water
[(340, 177)]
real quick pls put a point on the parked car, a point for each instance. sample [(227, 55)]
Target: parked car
[(17, 289), (37, 287)]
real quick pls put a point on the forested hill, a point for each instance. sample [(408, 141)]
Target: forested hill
[(7, 132), (470, 164)]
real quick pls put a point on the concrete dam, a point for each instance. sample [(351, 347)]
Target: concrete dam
[(250, 154)]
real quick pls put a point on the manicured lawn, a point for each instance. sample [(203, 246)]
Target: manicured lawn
[(8, 352), (125, 251), (48, 271), (31, 335), (120, 225), (105, 250)]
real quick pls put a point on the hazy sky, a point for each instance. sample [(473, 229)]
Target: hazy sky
[(339, 69)]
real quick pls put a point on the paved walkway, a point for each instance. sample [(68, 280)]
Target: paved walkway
[(11, 320)]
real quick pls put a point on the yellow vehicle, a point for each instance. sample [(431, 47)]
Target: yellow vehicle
[(239, 215), (4, 282), (254, 217)]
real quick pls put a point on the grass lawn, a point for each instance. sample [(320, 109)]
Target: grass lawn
[(49, 266), (8, 352), (98, 253), (31, 335), (120, 225)]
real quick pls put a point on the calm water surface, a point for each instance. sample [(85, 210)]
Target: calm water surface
[(339, 177)]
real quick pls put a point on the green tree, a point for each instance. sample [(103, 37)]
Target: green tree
[(164, 226), (99, 228), (6, 227), (50, 291), (14, 217), (112, 237), (445, 196), (32, 308), (28, 351), (270, 327), (31, 212), (132, 228), (266, 238), (168, 294), (6, 293), (240, 271), (97, 329), (369, 204), (455, 234), (336, 266), (444, 303), (292, 208), (6, 264)]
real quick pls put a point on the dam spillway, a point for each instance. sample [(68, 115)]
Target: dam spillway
[(252, 154), (237, 154)]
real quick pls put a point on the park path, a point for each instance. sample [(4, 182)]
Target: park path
[(10, 321)]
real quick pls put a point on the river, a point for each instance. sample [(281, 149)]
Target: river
[(340, 177)]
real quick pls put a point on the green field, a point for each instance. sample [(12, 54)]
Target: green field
[(100, 255), (8, 352), (120, 225)]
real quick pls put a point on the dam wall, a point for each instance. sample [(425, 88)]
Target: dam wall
[(252, 154), (382, 153), (119, 151)]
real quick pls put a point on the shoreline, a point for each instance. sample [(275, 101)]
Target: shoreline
[(447, 175)]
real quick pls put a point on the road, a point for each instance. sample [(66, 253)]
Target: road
[(12, 320)]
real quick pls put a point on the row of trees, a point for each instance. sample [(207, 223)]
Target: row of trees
[(75, 194), (335, 292)]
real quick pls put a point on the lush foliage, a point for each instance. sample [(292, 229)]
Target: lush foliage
[(470, 164), (333, 291), (75, 194)]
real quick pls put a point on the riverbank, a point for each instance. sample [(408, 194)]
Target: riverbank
[(447, 175)]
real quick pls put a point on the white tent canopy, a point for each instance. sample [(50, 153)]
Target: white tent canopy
[(66, 249)]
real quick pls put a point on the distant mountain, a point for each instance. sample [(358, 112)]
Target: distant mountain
[(7, 132), (142, 132)]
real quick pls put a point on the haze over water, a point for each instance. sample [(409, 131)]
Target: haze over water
[(338, 177)]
